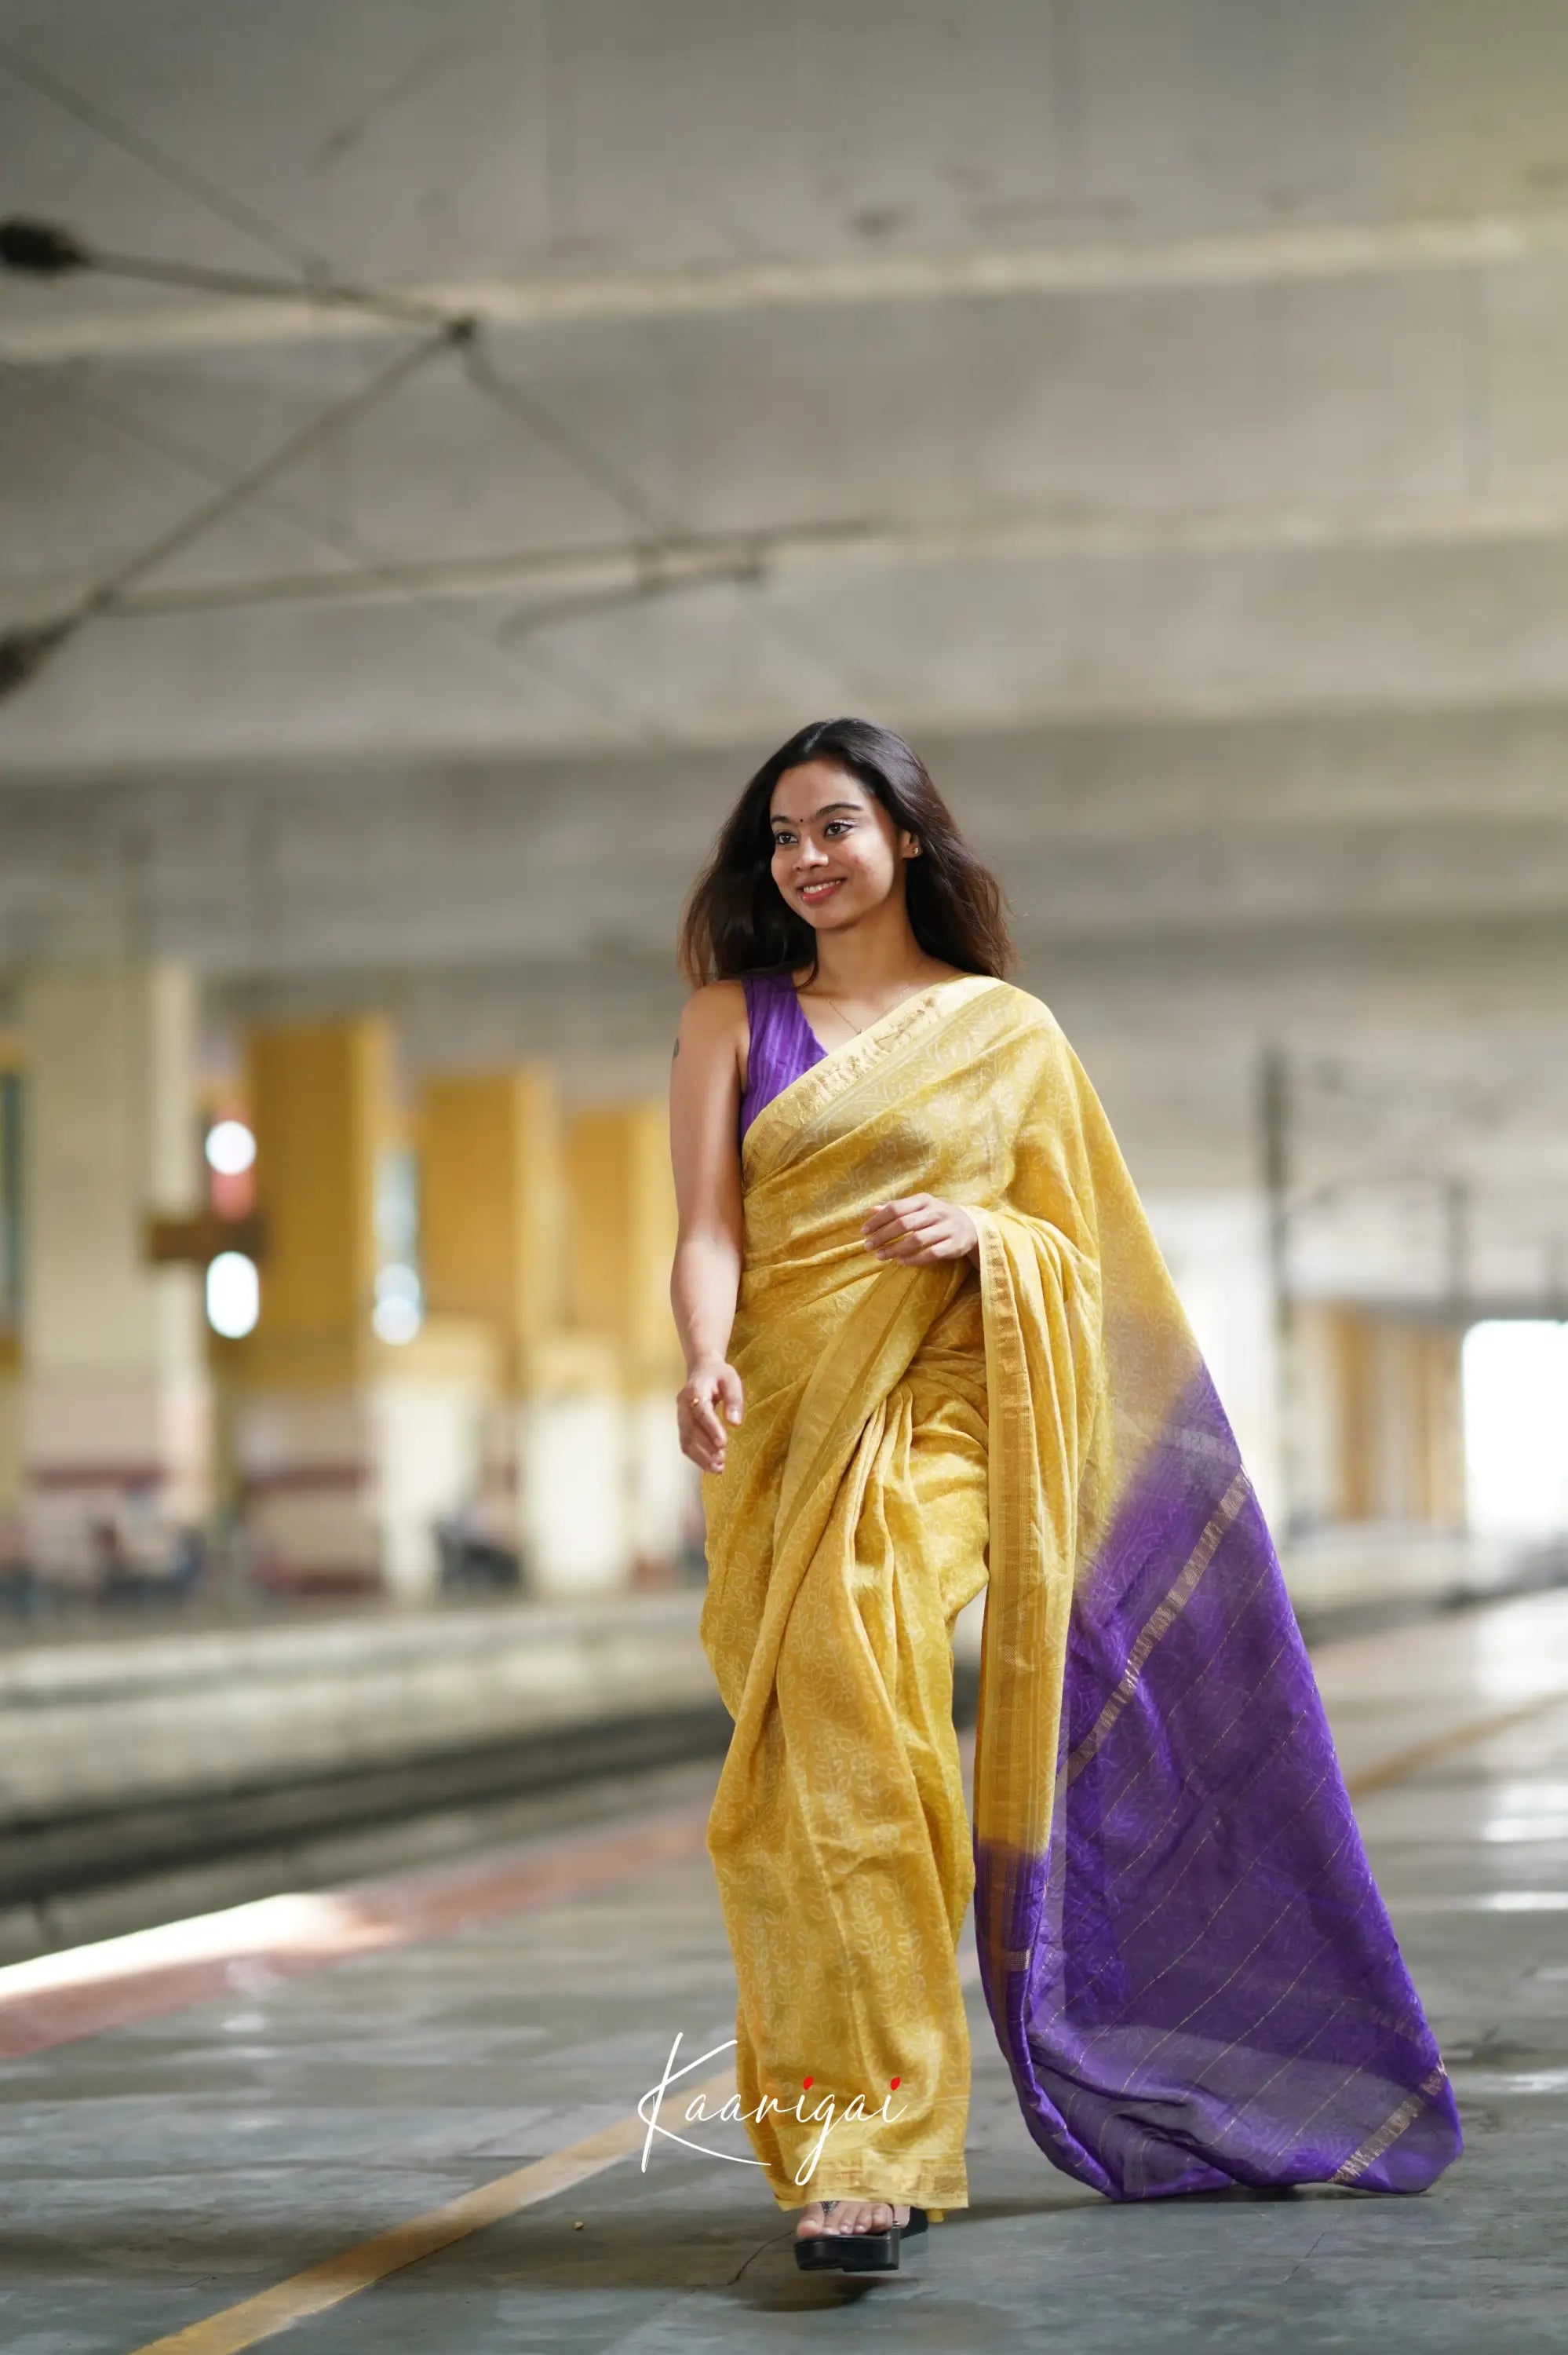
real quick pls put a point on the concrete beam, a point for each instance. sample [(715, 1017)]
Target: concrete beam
[(953, 648), (46, 334), (668, 566)]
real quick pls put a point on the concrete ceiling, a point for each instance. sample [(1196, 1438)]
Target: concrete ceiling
[(1156, 407)]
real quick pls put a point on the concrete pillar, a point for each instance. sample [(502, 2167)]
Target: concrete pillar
[(557, 1233), (491, 1186), (13, 1546), (1357, 1393), (13, 1055), (494, 1179), (321, 1108), (569, 1435), (1423, 1473), (1443, 1427), (491, 1204), (115, 1423), (622, 1234), (349, 1449), (1389, 1413)]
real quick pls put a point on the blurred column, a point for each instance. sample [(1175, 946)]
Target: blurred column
[(115, 1399), (558, 1233), (1361, 1422), (1420, 1411), (490, 1150), (1393, 1416), (492, 1242), (13, 1055), (353, 1443), (304, 1433), (1442, 1470), (622, 1236)]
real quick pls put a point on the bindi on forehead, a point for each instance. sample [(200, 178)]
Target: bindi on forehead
[(843, 795), (828, 809)]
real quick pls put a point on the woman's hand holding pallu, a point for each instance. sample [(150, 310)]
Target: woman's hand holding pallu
[(920, 1231)]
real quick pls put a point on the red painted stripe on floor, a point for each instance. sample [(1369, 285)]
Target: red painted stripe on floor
[(60, 1998)]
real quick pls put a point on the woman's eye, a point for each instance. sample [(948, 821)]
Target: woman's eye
[(838, 825)]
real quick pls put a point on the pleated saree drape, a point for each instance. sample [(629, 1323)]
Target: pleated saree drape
[(1185, 1959)]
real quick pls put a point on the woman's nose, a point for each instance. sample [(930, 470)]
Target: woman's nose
[(811, 854)]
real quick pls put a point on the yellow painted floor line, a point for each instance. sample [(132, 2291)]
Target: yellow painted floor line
[(1427, 1753), (336, 2278), (343, 2276)]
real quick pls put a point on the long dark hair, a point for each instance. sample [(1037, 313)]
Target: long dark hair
[(737, 920)]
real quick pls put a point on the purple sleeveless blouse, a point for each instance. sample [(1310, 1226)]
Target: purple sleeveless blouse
[(783, 1043)]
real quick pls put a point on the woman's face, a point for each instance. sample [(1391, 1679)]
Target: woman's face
[(836, 853)]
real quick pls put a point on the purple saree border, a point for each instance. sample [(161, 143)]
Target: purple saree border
[(1198, 1986)]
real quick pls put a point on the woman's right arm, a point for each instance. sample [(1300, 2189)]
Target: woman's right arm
[(705, 1284)]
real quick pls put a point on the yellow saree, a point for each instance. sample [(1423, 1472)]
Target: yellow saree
[(1161, 1834)]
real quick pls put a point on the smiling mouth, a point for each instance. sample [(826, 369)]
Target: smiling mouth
[(814, 891)]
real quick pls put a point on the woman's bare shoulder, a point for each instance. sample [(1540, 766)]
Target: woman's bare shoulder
[(714, 1016), (715, 1004)]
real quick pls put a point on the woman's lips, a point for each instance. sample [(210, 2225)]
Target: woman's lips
[(818, 891)]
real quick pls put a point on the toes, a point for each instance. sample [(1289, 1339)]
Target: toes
[(846, 2216)]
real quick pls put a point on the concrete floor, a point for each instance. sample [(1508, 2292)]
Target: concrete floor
[(166, 2170)]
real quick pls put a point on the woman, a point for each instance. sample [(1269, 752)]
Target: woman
[(931, 1346)]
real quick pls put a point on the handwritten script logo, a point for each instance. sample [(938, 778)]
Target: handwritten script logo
[(824, 2112)]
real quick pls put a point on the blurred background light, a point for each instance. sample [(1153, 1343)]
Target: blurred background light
[(233, 1295), (230, 1148), (399, 1305)]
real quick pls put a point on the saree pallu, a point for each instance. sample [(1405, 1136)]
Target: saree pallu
[(1186, 1962)]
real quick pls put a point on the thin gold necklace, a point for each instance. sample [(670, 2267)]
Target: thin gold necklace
[(859, 1027)]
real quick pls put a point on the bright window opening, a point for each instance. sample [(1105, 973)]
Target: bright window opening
[(1515, 1427)]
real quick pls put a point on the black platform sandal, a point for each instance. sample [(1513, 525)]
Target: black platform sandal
[(858, 2253)]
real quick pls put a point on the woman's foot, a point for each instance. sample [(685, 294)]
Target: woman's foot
[(848, 2216)]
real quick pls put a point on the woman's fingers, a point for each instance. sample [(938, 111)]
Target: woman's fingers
[(705, 1415), (920, 1230), (910, 1246), (701, 1434), (905, 1228), (925, 1254), (890, 1216), (706, 1453), (710, 1400)]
